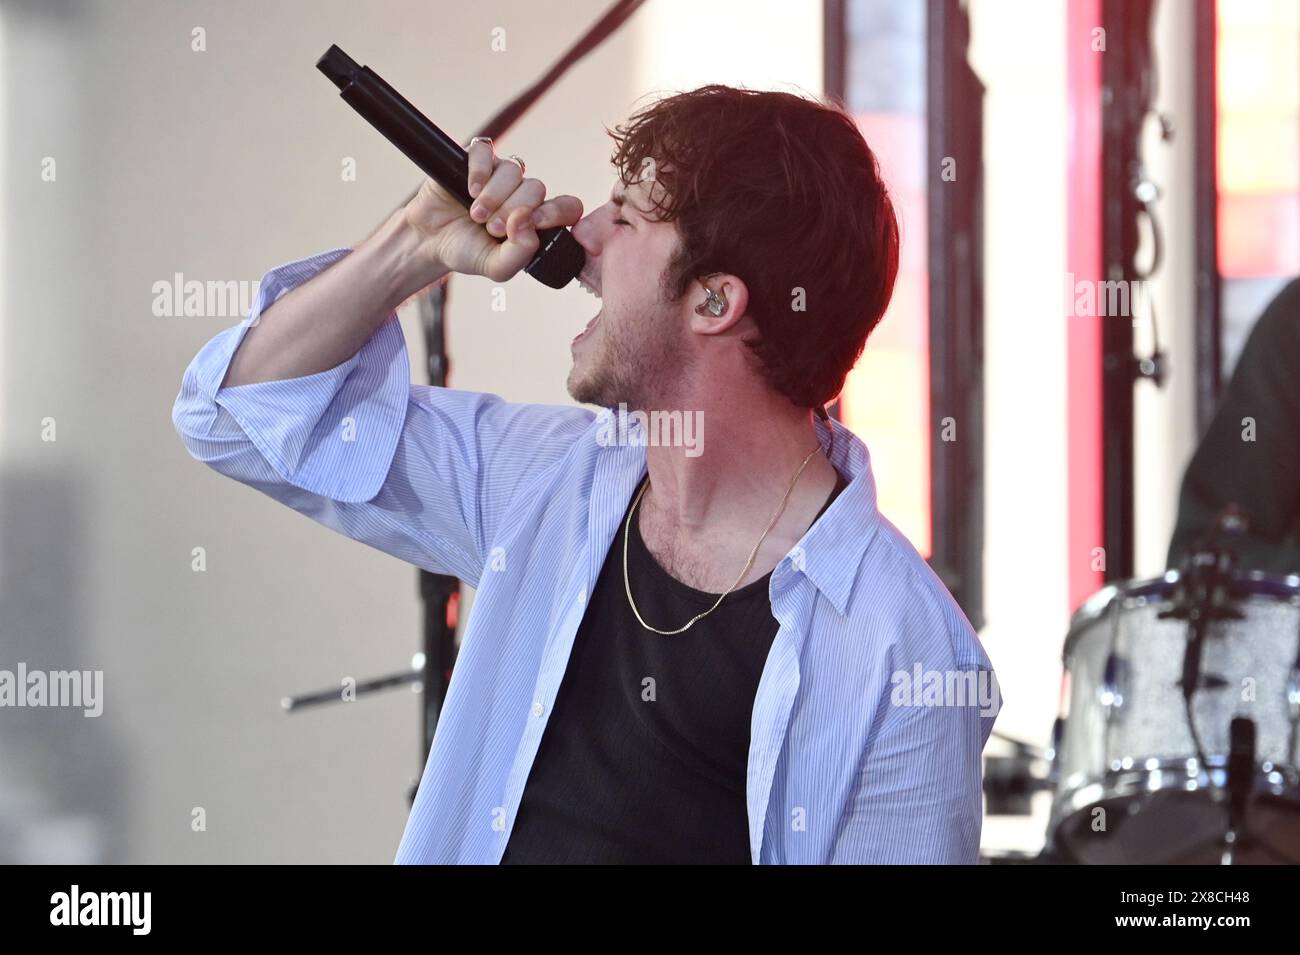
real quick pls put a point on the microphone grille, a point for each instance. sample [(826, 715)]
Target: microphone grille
[(558, 261)]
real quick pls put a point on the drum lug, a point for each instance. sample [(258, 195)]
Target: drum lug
[(1053, 753), (1114, 681), (1293, 695)]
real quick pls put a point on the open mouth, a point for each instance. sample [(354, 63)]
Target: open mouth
[(595, 320), (590, 287)]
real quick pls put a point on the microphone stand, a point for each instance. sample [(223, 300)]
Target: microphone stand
[(1204, 595), (431, 669)]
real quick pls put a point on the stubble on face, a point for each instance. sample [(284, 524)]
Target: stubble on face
[(636, 357)]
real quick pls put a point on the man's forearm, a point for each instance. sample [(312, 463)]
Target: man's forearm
[(326, 320)]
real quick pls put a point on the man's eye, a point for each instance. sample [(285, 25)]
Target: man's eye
[(621, 221)]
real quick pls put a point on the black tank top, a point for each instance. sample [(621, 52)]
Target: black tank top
[(644, 759)]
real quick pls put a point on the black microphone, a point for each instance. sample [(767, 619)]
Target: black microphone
[(559, 257)]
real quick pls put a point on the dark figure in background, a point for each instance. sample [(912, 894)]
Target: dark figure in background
[(1250, 455)]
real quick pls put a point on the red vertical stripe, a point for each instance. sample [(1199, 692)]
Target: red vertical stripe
[(1083, 336)]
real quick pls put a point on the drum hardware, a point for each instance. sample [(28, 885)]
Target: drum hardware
[(1241, 746), (1293, 707), (1203, 596), (1110, 695), (1241, 765), (1010, 782), (1053, 764)]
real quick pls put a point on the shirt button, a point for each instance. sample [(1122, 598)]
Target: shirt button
[(537, 709), (582, 596)]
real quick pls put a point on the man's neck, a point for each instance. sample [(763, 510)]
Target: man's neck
[(701, 516)]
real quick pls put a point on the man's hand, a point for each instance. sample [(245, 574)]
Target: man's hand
[(326, 320), (506, 206)]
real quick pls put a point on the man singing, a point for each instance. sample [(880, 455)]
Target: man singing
[(680, 652)]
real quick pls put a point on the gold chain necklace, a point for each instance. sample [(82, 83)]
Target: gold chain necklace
[(627, 586)]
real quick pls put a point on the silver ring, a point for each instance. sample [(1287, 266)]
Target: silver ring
[(481, 139), (522, 168)]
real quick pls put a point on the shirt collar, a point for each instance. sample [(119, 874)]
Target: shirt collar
[(830, 553)]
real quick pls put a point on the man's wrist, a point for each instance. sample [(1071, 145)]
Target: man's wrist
[(399, 253)]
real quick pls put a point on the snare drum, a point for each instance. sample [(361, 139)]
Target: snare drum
[(1130, 787)]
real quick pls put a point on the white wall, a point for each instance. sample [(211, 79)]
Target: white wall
[(1018, 50)]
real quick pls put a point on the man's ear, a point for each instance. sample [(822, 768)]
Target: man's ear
[(717, 303)]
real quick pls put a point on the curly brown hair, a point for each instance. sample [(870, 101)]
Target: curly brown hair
[(783, 192)]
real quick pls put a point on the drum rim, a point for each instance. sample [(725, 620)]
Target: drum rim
[(1065, 848), (1095, 607), (1169, 773)]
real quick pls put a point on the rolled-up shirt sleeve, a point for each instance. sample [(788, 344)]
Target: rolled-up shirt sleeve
[(361, 450)]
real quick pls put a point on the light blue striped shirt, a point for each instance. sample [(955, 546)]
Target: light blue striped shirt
[(876, 698)]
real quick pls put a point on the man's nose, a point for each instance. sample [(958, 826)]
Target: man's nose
[(587, 231)]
